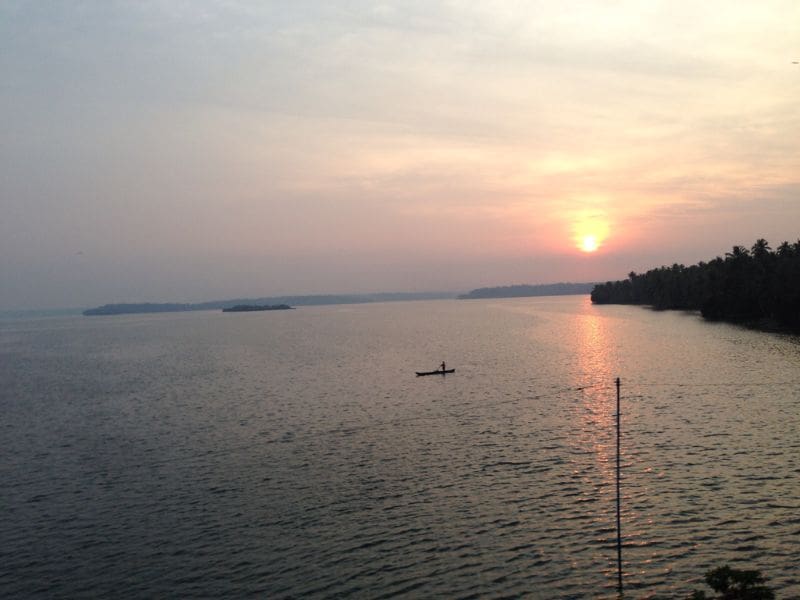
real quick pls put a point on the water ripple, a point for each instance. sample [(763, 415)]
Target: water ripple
[(196, 456)]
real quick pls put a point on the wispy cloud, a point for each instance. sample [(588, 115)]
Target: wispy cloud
[(298, 132)]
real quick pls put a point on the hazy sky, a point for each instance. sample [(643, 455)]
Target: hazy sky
[(182, 150)]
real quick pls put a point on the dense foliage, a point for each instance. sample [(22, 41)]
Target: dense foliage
[(735, 584), (756, 285)]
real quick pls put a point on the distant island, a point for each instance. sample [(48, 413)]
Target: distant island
[(758, 287), (310, 300), (519, 291), (256, 307)]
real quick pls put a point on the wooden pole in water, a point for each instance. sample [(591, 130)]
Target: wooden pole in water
[(619, 519)]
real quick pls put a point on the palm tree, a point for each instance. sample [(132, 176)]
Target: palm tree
[(738, 252), (785, 250), (761, 249)]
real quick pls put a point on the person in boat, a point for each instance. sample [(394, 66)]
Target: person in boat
[(443, 367)]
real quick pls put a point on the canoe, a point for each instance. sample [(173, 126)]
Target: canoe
[(439, 372)]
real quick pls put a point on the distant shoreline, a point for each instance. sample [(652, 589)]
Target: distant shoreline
[(310, 300), (128, 308), (526, 291), (512, 291)]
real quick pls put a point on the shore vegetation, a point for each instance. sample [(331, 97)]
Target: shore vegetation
[(758, 286)]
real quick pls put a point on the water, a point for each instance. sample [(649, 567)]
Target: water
[(295, 454)]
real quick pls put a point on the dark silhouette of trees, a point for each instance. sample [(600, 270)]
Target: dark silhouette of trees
[(735, 584), (759, 285), (518, 291)]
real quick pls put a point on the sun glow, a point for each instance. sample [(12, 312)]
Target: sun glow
[(590, 230)]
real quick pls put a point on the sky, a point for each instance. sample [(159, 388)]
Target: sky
[(175, 150)]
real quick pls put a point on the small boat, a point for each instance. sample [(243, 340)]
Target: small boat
[(439, 372)]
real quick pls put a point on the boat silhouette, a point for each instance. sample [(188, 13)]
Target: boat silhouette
[(437, 372)]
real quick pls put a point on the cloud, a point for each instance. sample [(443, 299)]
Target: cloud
[(208, 135)]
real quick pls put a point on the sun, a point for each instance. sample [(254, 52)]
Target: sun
[(589, 243), (590, 230)]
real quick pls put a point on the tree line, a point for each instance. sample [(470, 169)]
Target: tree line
[(524, 290), (756, 285)]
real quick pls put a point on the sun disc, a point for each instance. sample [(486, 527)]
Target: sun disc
[(589, 243)]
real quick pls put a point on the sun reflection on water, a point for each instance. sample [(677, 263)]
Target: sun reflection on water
[(597, 406), (593, 425)]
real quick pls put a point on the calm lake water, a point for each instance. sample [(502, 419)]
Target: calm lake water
[(295, 454)]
